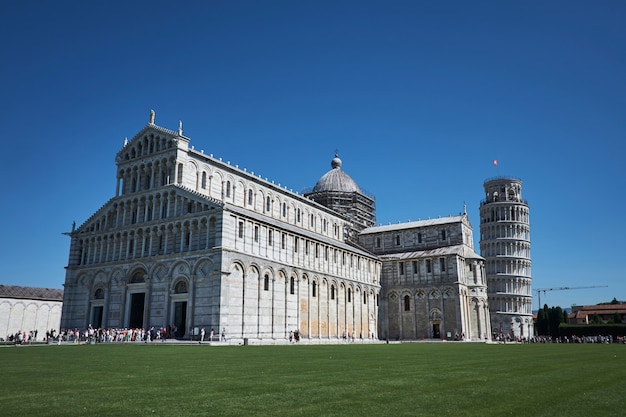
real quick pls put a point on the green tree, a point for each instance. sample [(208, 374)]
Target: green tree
[(555, 317), (617, 318), (542, 323)]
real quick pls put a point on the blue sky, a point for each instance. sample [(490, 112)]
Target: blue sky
[(418, 98)]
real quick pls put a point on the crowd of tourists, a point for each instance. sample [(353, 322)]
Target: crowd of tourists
[(100, 335), (20, 338), (580, 339), (507, 338), (123, 335)]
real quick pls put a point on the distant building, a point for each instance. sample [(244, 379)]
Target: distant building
[(190, 241), (505, 245), (606, 312), (26, 309)]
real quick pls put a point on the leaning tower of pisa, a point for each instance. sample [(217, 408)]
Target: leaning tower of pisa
[(505, 245)]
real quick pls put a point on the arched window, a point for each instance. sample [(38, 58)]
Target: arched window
[(284, 209), (407, 303), (268, 204), (314, 290), (349, 295), (179, 176), (137, 278), (249, 197), (298, 215), (99, 294), (266, 283), (181, 287), (228, 189), (332, 292), (203, 185), (292, 286)]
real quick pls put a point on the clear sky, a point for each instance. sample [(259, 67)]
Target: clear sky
[(418, 97)]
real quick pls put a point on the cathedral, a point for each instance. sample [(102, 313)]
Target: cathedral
[(191, 242)]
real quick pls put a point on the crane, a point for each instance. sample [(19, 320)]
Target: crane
[(539, 290)]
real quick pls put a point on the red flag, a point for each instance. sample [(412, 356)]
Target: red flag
[(495, 162)]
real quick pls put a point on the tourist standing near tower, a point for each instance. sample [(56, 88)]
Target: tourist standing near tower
[(505, 245)]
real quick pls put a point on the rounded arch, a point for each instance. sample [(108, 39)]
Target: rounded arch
[(137, 276), (291, 212), (203, 268), (181, 267), (180, 285), (98, 293), (268, 270), (434, 293), (215, 183), (229, 186), (267, 275), (193, 165), (252, 268), (281, 276), (237, 269), (101, 278), (435, 314), (239, 192)]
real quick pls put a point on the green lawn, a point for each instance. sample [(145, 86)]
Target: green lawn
[(416, 379)]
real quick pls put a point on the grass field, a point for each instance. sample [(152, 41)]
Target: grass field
[(417, 379)]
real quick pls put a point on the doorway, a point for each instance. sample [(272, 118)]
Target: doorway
[(436, 331), (137, 302), (180, 318), (96, 317)]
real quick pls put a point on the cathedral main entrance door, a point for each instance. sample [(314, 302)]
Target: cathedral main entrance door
[(180, 318), (96, 320), (137, 302)]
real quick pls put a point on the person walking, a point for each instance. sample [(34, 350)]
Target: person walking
[(202, 335)]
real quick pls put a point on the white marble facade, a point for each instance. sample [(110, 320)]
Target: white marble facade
[(505, 244), (434, 283), (29, 310), (190, 241)]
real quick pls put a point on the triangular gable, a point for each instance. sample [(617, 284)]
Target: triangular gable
[(91, 223), (148, 130)]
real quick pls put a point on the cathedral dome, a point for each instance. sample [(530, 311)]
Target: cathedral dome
[(336, 180)]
